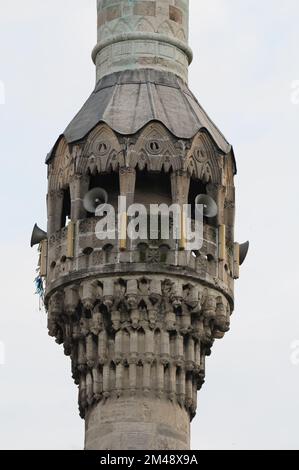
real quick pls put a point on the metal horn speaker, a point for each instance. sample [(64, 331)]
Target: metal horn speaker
[(38, 235), (244, 247), (210, 208), (95, 200)]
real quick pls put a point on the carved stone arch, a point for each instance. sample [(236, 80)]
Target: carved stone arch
[(165, 28), (181, 35), (142, 329), (115, 160), (89, 166), (102, 152), (61, 168), (155, 132), (202, 160), (105, 32), (158, 329), (206, 173), (122, 27), (154, 149), (144, 25)]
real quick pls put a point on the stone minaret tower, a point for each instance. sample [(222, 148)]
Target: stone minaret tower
[(138, 318)]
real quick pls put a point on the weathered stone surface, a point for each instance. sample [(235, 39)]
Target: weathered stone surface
[(137, 424), (175, 14), (145, 8), (139, 317)]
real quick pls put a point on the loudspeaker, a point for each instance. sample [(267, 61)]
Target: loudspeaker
[(243, 252), (210, 208), (38, 235), (95, 199)]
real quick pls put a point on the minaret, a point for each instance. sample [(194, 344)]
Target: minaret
[(138, 317)]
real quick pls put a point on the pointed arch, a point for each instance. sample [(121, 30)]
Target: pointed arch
[(203, 161), (102, 151), (105, 32), (155, 150), (181, 35), (166, 28), (61, 167), (144, 25), (121, 27)]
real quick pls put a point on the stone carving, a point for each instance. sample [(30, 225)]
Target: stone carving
[(102, 152), (181, 35), (62, 167), (166, 28), (202, 160), (121, 27), (151, 322), (144, 25), (154, 149), (145, 19), (139, 318), (104, 32)]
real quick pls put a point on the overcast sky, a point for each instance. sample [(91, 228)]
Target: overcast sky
[(246, 62)]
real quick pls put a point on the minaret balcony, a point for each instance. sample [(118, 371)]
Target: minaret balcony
[(91, 256)]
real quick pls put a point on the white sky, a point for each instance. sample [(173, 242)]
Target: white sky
[(246, 59)]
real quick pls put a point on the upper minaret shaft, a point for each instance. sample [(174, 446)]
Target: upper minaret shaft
[(135, 34)]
